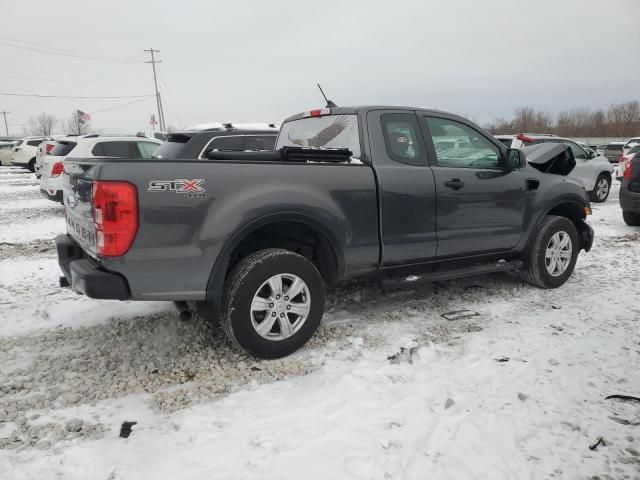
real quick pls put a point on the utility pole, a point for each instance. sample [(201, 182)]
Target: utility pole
[(6, 126), (153, 62)]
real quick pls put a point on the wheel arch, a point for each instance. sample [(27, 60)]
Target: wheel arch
[(301, 229), (574, 210)]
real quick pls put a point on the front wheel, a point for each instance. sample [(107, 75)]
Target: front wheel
[(552, 253), (273, 303), (601, 191), (631, 219), (32, 165)]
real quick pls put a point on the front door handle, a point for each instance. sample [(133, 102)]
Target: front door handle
[(454, 183)]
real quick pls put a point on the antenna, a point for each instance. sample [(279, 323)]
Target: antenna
[(330, 104)]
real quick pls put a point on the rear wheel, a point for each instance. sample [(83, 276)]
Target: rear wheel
[(32, 165), (601, 191), (552, 253), (273, 303), (631, 219)]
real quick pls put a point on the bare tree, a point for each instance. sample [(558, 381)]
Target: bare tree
[(499, 125), (76, 125), (41, 125), (624, 118), (523, 119)]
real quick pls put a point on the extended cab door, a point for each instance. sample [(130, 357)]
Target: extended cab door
[(481, 206), (406, 189)]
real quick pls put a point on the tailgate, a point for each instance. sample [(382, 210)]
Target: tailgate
[(77, 191)]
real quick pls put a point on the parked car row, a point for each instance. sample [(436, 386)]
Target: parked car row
[(87, 146), (46, 156)]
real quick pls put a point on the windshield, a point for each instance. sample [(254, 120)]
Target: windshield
[(614, 147), (634, 149), (331, 131)]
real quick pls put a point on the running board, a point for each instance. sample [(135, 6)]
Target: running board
[(428, 277)]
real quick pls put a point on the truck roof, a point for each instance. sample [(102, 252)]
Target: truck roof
[(355, 110)]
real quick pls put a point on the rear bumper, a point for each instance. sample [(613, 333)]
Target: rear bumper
[(85, 276), (56, 197)]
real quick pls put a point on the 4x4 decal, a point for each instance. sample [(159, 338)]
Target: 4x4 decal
[(189, 187)]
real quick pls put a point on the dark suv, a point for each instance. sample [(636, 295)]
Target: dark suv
[(630, 192), (198, 142)]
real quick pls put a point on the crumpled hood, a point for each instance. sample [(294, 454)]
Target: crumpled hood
[(554, 158)]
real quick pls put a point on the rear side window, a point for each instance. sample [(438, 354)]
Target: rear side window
[(260, 142), (235, 143), (147, 149), (61, 149), (34, 143), (112, 149), (401, 137)]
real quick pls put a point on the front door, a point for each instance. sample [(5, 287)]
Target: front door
[(481, 207)]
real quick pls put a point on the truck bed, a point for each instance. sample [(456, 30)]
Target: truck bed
[(189, 210)]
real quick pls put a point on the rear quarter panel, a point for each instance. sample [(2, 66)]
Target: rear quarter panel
[(181, 236)]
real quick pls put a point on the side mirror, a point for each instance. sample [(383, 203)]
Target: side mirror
[(516, 159), (591, 154)]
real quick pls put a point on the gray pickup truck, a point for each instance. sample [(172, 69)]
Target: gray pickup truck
[(254, 238)]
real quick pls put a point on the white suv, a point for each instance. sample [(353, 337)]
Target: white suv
[(632, 142), (593, 170), (24, 152), (88, 146)]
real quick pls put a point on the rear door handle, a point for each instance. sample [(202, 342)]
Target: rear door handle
[(454, 183)]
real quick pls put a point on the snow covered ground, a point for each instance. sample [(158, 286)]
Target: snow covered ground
[(387, 389)]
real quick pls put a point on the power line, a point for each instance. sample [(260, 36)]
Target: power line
[(68, 96), (153, 62), (168, 95), (123, 105), (50, 51)]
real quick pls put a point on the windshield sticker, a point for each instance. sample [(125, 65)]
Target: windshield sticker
[(191, 188)]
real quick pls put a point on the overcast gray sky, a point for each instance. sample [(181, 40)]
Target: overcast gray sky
[(252, 60)]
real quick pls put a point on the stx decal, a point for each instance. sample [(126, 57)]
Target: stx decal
[(187, 187)]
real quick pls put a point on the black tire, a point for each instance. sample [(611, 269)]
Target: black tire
[(32, 165), (631, 219), (241, 287), (535, 269), (593, 195)]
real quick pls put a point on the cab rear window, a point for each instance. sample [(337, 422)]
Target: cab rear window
[(330, 131)]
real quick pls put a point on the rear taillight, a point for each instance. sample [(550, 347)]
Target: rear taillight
[(620, 155), (49, 147), (626, 169), (115, 216), (57, 169)]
